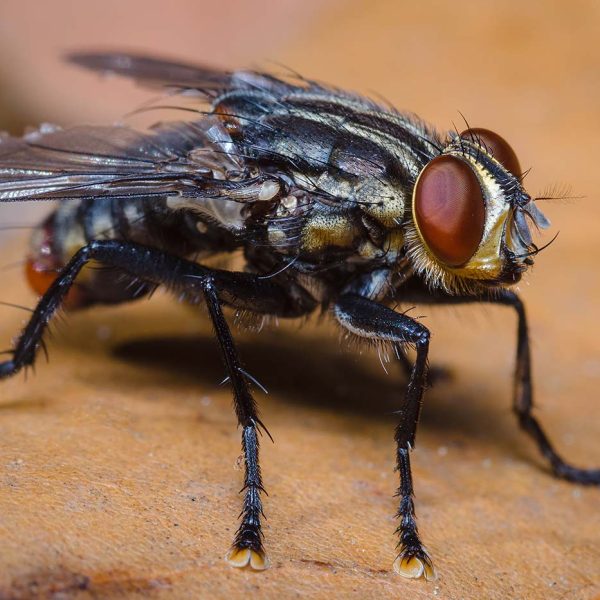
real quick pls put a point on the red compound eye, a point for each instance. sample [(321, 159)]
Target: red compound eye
[(449, 209), (497, 146)]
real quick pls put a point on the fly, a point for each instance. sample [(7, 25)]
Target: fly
[(336, 203)]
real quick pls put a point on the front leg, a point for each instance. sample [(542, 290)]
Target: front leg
[(523, 385), (523, 399), (368, 319)]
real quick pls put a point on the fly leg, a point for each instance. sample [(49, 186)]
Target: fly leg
[(523, 385), (247, 548), (196, 283), (368, 319), (523, 399)]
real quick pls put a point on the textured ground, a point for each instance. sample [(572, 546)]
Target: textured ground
[(118, 462)]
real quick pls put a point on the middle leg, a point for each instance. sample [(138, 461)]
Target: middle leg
[(371, 320)]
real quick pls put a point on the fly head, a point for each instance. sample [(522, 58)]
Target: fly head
[(471, 217)]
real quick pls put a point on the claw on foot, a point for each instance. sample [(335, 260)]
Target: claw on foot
[(414, 567), (246, 557)]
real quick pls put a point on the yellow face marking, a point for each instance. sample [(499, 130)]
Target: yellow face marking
[(487, 262)]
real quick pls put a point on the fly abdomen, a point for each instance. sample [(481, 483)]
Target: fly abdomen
[(73, 225), (44, 264)]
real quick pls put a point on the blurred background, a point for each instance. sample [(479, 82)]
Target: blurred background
[(528, 70)]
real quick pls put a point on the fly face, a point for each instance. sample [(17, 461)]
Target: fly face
[(469, 228)]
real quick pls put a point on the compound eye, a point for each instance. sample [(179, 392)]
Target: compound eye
[(449, 209), (497, 146)]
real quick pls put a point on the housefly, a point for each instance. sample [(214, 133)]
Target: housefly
[(336, 203)]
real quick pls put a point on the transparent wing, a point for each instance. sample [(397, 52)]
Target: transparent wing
[(208, 81), (150, 70), (186, 158)]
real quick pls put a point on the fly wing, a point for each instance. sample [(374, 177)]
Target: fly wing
[(208, 81), (184, 158), (153, 71)]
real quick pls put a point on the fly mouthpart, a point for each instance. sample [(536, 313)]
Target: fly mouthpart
[(527, 256), (524, 215)]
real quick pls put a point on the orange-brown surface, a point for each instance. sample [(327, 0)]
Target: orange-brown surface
[(118, 463)]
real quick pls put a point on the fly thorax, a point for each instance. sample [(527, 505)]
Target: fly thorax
[(229, 204), (382, 208), (383, 201), (329, 227), (223, 212)]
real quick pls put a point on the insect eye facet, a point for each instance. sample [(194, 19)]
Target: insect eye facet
[(449, 209), (497, 146)]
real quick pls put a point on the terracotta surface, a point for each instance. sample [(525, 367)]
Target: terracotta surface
[(118, 468)]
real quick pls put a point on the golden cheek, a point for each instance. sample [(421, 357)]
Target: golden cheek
[(487, 262)]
